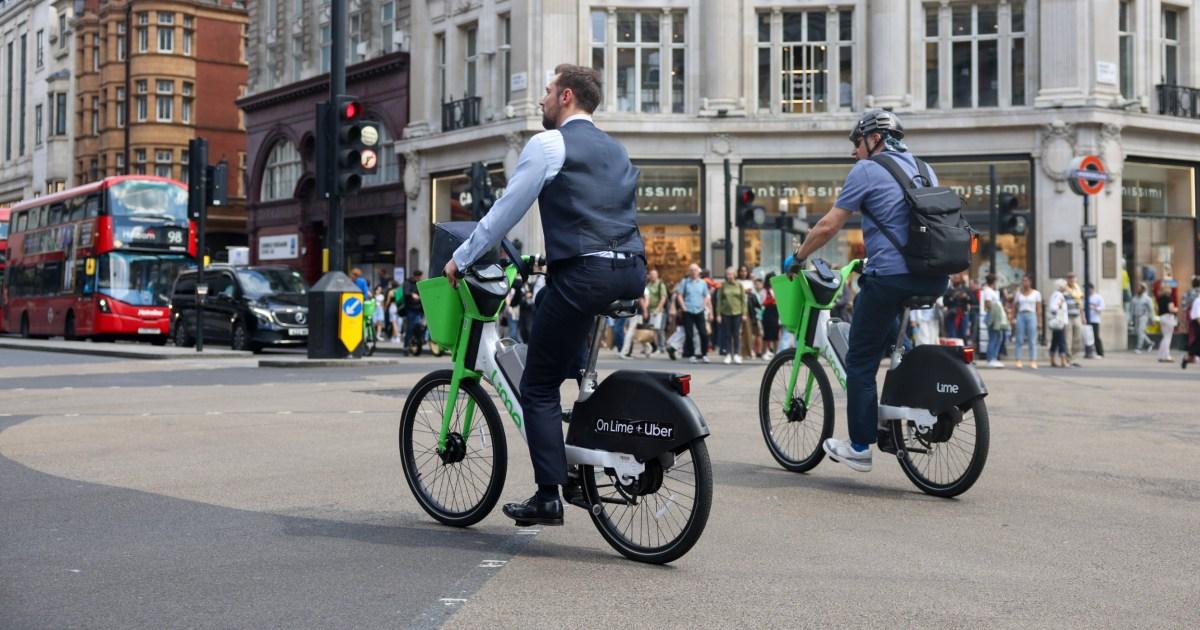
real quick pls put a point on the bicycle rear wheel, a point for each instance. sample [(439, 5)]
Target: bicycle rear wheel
[(660, 516), (458, 485), (946, 460), (794, 437)]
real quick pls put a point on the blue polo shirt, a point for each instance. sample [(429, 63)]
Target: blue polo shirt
[(871, 186)]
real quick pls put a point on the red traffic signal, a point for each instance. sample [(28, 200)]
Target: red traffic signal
[(745, 195), (350, 110)]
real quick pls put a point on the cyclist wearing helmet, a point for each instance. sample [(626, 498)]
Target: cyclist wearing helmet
[(886, 281)]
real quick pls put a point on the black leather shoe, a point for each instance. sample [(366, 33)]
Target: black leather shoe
[(534, 511)]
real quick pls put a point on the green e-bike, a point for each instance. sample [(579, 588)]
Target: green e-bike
[(932, 413), (636, 437)]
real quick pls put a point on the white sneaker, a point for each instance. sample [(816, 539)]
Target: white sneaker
[(768, 355), (704, 359), (737, 358), (995, 364), (842, 451), (694, 360), (728, 359)]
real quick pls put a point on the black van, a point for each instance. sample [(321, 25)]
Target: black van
[(247, 307)]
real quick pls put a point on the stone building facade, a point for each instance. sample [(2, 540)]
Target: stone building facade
[(37, 96), (771, 88)]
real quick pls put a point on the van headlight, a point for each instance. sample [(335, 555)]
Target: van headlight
[(264, 316)]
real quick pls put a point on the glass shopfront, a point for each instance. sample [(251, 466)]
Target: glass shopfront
[(452, 194), (668, 201), (1158, 210), (810, 190)]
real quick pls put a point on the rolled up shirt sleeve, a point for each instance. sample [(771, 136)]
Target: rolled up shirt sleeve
[(532, 171)]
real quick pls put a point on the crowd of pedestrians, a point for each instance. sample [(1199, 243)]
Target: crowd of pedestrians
[(736, 318)]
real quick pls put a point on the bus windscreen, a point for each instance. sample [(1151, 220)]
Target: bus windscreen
[(148, 199), (140, 279)]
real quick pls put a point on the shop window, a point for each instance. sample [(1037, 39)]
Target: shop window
[(452, 196), (669, 216), (1158, 211)]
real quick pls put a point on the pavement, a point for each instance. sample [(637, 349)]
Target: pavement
[(207, 492)]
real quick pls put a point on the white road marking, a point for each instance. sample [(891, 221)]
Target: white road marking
[(453, 601), (529, 531), (492, 564)]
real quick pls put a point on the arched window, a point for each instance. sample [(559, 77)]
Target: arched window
[(282, 172), (389, 167)]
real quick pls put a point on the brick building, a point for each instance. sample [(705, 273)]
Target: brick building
[(150, 76)]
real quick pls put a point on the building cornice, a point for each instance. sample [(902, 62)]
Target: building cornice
[(369, 69)]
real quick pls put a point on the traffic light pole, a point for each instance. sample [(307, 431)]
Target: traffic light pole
[(337, 86), (728, 217), (1087, 278)]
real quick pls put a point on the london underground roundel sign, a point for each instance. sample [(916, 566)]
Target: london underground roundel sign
[(1087, 175)]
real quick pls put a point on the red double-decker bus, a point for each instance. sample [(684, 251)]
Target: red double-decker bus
[(4, 212), (98, 261)]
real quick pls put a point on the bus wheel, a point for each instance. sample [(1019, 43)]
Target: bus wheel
[(25, 325), (69, 328)]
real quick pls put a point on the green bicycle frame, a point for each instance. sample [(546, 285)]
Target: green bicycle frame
[(809, 309), (464, 365)]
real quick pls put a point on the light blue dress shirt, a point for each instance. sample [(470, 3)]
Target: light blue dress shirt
[(540, 161)]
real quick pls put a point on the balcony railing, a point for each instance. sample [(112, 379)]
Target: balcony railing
[(461, 114), (1177, 100)]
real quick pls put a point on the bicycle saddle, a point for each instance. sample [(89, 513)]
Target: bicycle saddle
[(621, 308), (920, 301)]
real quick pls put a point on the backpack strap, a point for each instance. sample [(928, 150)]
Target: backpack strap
[(923, 171), (902, 178)]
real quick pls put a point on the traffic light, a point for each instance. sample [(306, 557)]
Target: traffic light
[(481, 190), (357, 142), (216, 188), (1011, 221), (749, 215)]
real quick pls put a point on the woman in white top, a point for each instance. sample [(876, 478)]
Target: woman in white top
[(1029, 312), (1057, 323)]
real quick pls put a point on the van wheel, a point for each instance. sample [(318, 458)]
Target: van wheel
[(181, 337), (239, 337), (69, 329)]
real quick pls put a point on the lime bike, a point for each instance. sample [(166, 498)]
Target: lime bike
[(932, 414), (636, 437), (370, 339)]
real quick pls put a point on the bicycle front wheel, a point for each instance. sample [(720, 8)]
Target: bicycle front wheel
[(658, 517), (459, 484), (794, 436), (947, 459)]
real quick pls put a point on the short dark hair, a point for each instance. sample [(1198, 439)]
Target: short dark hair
[(583, 82)]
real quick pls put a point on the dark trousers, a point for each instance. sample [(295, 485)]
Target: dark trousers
[(414, 325), (576, 291), (874, 327), (731, 334), (691, 323), (1096, 336)]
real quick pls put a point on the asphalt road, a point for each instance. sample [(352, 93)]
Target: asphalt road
[(209, 493)]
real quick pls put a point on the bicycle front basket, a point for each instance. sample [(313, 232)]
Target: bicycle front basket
[(789, 299), (443, 310)]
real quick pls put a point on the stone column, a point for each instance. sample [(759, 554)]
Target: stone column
[(1075, 38), (721, 88), (887, 69), (422, 90)]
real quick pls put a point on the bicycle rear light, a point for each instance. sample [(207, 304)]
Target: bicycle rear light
[(682, 383)]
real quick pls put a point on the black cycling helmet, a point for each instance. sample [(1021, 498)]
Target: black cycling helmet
[(877, 121)]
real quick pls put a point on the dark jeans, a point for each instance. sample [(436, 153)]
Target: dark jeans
[(692, 322), (958, 325), (731, 334), (576, 291), (414, 323), (1058, 342), (1096, 335), (874, 327)]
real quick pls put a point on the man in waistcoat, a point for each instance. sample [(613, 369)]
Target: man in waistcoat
[(585, 186)]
